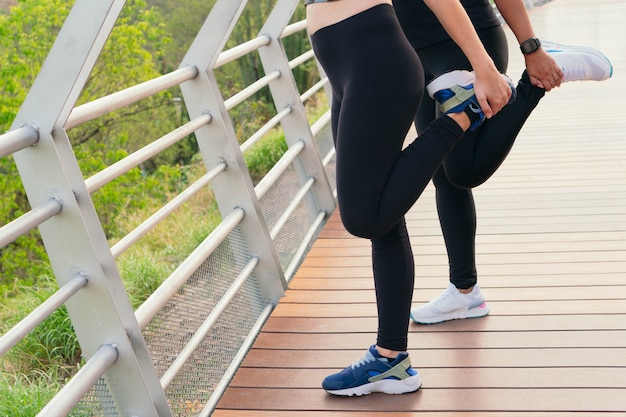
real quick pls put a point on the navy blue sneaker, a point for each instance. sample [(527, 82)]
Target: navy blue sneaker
[(373, 373), (454, 91)]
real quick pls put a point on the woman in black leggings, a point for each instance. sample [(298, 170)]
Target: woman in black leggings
[(377, 85), (481, 152)]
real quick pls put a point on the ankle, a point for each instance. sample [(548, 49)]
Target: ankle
[(387, 353), (462, 119), (466, 290)]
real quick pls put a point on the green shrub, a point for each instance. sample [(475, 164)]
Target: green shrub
[(261, 157)]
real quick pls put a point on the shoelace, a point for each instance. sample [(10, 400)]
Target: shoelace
[(573, 73), (365, 359), (442, 297)]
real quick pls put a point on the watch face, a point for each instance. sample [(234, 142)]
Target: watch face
[(530, 45)]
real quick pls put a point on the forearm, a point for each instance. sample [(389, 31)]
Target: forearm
[(455, 21), (492, 91), (542, 70), (516, 17)]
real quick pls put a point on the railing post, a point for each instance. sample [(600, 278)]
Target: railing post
[(285, 94), (218, 143), (101, 313)]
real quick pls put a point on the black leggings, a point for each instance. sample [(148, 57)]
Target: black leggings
[(377, 84), (477, 156)]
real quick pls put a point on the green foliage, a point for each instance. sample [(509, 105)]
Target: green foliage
[(24, 397), (26, 35), (51, 345), (261, 157)]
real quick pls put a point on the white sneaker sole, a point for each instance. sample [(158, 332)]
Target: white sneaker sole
[(556, 48), (386, 386), (450, 79), (472, 313)]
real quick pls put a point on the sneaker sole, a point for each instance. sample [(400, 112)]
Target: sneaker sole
[(558, 47), (473, 313), (457, 77), (386, 386)]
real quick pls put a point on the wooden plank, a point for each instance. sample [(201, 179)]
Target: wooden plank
[(318, 413), (448, 340), (494, 294), (449, 377), (532, 308), (575, 268), (589, 247), (492, 323), (527, 399), (528, 256), (446, 358), (486, 281)]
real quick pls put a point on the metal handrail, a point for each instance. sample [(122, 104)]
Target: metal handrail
[(18, 139), (281, 166), (38, 315), (104, 105), (133, 160), (27, 222), (77, 387), (272, 279), (151, 222), (185, 354)]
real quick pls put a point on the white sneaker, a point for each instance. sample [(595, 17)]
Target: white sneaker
[(451, 305), (580, 63)]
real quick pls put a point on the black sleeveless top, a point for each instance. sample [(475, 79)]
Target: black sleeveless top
[(422, 27)]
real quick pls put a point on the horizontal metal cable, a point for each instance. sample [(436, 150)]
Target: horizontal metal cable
[(28, 221), (280, 223), (301, 59), (297, 257), (241, 50), (151, 222), (293, 28), (38, 315), (236, 362), (247, 92), (18, 139), (314, 89), (273, 122), (281, 166), (77, 387), (177, 279), (320, 123), (135, 159), (195, 341), (115, 101)]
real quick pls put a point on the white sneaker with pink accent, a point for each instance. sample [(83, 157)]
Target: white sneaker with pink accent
[(451, 305)]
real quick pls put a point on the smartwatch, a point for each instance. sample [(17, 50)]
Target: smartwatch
[(530, 45)]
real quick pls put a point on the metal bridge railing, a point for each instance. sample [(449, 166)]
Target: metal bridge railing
[(184, 343)]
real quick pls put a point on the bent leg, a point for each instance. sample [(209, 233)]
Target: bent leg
[(479, 155)]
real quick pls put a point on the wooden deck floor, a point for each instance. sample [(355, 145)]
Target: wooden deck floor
[(551, 252)]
